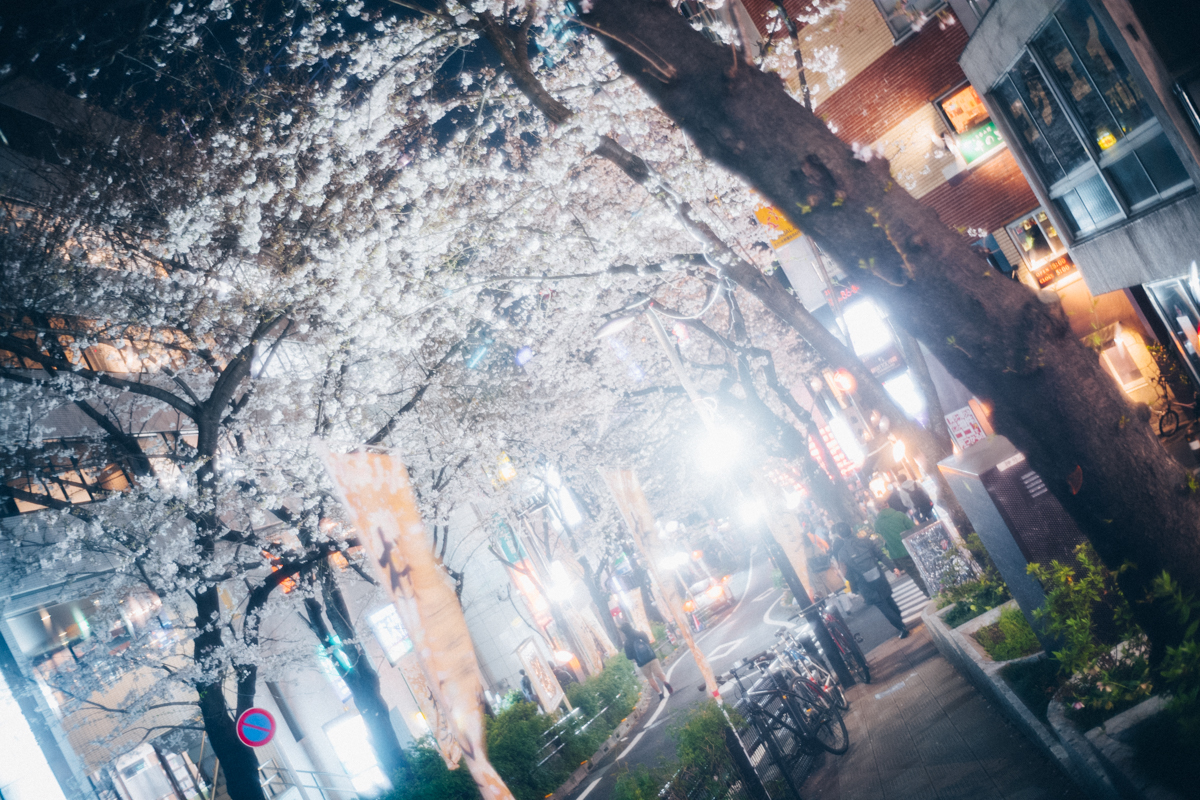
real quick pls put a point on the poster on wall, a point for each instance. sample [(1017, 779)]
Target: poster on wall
[(939, 561), (545, 685), (965, 428)]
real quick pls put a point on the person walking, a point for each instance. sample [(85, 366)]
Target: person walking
[(891, 525), (922, 506), (860, 561), (639, 651)]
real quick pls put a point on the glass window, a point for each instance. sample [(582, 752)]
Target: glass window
[(1078, 88), (1036, 238), (1089, 205), (1040, 121), (1162, 164), (1104, 67), (907, 16), (1132, 181), (1178, 311)]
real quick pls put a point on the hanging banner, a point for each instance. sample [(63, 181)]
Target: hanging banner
[(632, 501), (376, 492), (547, 688), (435, 722)]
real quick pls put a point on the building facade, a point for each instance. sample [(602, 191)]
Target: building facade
[(1098, 102)]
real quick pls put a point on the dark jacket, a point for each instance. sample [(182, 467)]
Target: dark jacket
[(869, 551), (631, 652)]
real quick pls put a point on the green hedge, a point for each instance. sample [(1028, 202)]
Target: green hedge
[(515, 737)]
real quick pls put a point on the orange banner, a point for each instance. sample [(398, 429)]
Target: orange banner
[(376, 491), (632, 501)]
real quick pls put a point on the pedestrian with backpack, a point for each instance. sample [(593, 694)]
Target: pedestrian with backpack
[(639, 651), (861, 561)]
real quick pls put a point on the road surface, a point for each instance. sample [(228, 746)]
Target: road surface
[(746, 629)]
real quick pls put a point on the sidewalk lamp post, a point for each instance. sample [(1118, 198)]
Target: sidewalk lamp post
[(647, 307)]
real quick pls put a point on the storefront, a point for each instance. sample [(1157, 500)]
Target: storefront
[(1106, 323), (1176, 301)]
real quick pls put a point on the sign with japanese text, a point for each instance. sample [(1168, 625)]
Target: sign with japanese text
[(965, 428), (1051, 271)]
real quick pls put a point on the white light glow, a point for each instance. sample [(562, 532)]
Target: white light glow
[(673, 561), (350, 742), (903, 389), (751, 512), (570, 512), (718, 446), (846, 439), (561, 588), (869, 332), (898, 451)]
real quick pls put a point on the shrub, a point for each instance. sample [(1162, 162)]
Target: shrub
[(974, 596), (1035, 682), (429, 779), (1087, 612), (640, 783), (517, 734), (701, 757), (1008, 638), (1180, 668)]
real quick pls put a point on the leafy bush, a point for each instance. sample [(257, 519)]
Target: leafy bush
[(700, 756), (1009, 637), (1180, 668), (430, 780), (517, 734), (640, 783), (615, 689), (1087, 612), (977, 595)]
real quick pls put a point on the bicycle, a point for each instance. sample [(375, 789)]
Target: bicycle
[(801, 708), (1168, 420), (804, 667), (845, 641)]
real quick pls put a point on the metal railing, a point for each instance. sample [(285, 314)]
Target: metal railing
[(280, 780)]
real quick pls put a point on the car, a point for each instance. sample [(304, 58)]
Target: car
[(710, 596)]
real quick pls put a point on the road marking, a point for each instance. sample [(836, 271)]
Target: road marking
[(632, 744), (764, 595), (588, 790), (663, 704), (725, 649), (769, 620)]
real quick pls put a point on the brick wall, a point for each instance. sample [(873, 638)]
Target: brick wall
[(835, 49), (896, 83), (990, 195)]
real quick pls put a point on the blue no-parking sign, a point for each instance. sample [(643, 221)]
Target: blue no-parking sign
[(255, 727)]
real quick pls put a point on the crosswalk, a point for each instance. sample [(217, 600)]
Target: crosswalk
[(909, 597)]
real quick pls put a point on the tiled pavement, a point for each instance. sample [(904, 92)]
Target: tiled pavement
[(920, 730)]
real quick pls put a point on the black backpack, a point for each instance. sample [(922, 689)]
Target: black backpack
[(859, 558), (642, 651)]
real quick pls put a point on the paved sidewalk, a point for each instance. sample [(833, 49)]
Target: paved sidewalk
[(920, 730)]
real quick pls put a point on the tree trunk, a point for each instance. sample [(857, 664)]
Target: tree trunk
[(1051, 396), (362, 680), (239, 764)]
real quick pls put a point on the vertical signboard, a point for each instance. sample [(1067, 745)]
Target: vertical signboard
[(629, 498), (376, 492)]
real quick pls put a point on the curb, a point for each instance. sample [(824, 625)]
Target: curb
[(578, 776)]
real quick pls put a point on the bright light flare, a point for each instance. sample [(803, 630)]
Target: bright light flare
[(719, 446), (751, 512), (898, 451)]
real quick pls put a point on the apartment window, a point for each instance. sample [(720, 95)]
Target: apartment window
[(906, 17), (1085, 125)]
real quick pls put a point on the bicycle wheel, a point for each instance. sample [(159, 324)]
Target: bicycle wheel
[(825, 725), (1168, 423), (828, 683), (856, 662)]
